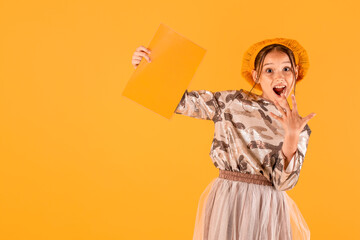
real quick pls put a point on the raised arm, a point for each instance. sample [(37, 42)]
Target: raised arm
[(201, 104)]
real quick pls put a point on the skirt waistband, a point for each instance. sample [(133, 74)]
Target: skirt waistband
[(245, 177)]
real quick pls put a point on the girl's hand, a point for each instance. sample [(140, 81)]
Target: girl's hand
[(139, 54), (292, 122)]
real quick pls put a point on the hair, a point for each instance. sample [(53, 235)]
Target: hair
[(260, 57)]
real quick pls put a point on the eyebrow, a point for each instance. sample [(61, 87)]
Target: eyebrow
[(272, 63)]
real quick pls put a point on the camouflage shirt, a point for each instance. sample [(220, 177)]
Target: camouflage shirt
[(246, 139)]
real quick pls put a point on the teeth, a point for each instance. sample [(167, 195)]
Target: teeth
[(281, 86)]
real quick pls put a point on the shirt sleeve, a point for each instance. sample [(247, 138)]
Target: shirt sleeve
[(200, 104), (286, 179)]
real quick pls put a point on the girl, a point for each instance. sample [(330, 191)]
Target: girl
[(259, 147)]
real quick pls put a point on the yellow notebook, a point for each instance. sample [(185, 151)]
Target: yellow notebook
[(160, 84)]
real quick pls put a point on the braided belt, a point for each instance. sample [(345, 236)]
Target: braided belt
[(244, 177)]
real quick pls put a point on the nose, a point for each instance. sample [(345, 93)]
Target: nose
[(279, 77)]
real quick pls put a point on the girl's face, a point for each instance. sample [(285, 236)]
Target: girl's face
[(276, 71)]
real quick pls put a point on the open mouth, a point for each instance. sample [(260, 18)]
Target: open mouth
[(278, 91)]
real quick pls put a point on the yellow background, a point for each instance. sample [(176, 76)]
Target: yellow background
[(78, 161)]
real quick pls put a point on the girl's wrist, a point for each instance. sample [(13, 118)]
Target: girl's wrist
[(292, 135)]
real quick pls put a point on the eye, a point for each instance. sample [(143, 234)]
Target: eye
[(287, 68), (267, 69)]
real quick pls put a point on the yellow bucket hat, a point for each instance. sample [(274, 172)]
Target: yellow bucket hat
[(248, 63)]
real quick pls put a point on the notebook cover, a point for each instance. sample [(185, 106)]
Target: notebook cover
[(160, 84)]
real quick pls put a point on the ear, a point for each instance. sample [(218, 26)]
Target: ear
[(297, 71), (254, 75)]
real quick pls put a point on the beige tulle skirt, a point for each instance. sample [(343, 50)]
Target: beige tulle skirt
[(235, 210)]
